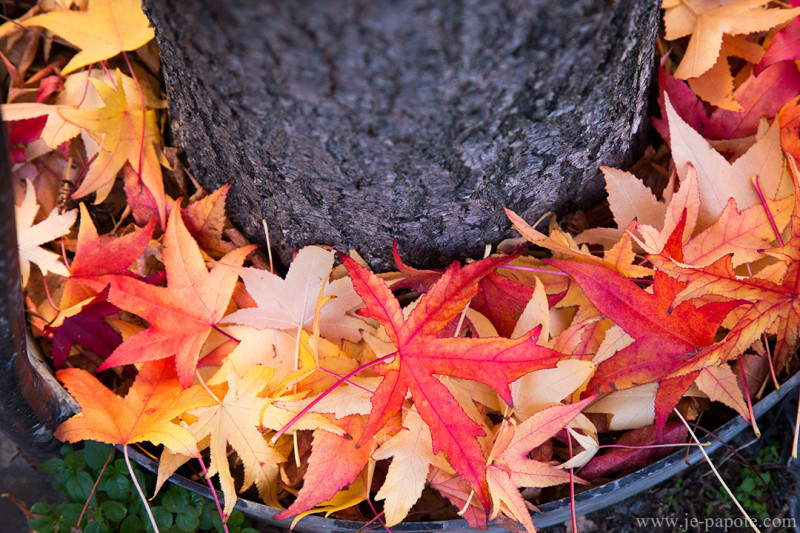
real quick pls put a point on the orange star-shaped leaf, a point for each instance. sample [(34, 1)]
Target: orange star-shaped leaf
[(181, 314), (145, 414)]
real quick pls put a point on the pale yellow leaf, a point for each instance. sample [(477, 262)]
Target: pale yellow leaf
[(31, 237), (411, 451)]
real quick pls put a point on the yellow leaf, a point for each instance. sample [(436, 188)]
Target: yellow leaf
[(708, 20), (126, 133), (629, 199), (105, 29), (720, 384), (545, 388), (31, 236), (715, 85), (719, 180), (629, 409), (411, 451), (235, 421)]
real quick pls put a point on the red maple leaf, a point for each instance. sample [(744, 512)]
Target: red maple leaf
[(335, 462), (761, 95), (421, 355), (98, 256), (86, 328), (662, 333)]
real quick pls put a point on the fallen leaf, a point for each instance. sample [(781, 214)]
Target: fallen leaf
[(127, 134), (98, 256), (616, 459), (235, 420), (335, 462), (421, 355), (412, 458), (144, 414), (291, 303), (182, 314), (105, 29), (708, 20), (31, 237), (88, 329), (719, 180)]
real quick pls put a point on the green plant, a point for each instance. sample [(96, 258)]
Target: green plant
[(114, 505), (754, 487)]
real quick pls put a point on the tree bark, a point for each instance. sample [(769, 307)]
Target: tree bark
[(350, 123)]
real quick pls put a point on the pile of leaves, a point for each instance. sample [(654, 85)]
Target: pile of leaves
[(388, 397)]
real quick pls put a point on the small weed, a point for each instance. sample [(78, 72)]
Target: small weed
[(114, 505)]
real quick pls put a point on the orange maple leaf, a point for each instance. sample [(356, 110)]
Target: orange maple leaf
[(335, 462), (144, 414), (511, 466), (183, 313), (776, 303), (421, 355)]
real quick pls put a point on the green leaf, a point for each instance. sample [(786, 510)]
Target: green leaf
[(187, 523), (191, 510), (236, 519), (175, 500), (96, 453), (42, 524), (79, 486), (163, 519), (117, 487), (41, 508), (68, 514), (114, 510), (96, 527), (131, 524), (75, 461), (53, 466)]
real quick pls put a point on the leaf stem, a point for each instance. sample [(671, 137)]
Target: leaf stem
[(377, 514), (269, 245), (316, 400), (716, 473), (572, 488), (144, 114), (139, 488), (769, 360), (531, 269), (647, 446), (222, 517), (757, 187), (94, 487), (796, 431), (203, 383), (747, 397)]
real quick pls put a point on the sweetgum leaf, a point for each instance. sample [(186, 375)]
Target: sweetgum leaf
[(421, 355)]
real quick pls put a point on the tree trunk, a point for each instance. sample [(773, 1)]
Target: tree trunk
[(350, 123)]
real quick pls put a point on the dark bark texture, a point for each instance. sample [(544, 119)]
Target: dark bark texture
[(353, 122)]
